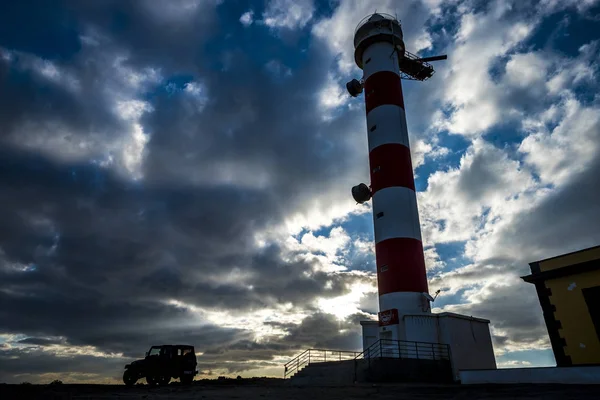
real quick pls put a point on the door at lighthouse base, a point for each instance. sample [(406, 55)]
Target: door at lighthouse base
[(388, 346)]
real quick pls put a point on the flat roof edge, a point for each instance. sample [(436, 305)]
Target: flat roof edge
[(566, 254), (450, 314), (369, 322)]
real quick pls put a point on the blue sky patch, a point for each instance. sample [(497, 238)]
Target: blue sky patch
[(566, 32), (527, 358)]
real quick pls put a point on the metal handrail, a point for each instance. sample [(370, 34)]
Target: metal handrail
[(383, 348), (368, 350), (312, 356), (414, 61), (402, 349), (406, 349)]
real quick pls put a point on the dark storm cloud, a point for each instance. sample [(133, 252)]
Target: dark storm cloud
[(55, 30), (514, 312), (564, 221), (177, 29), (234, 356), (480, 177), (103, 266), (320, 331), (94, 259), (326, 332), (272, 128), (38, 341), (84, 42), (29, 97), (42, 362)]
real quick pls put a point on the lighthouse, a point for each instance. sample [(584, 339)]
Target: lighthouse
[(405, 327), (401, 275)]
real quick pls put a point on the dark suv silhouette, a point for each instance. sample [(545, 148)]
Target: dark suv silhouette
[(163, 363)]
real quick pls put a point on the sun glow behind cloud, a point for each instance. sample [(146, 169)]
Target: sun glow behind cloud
[(344, 306)]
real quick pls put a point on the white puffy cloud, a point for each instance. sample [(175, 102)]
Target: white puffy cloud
[(486, 179), (550, 6), (247, 18), (514, 364), (338, 31), (569, 148), (290, 14), (123, 151), (473, 96), (432, 259), (526, 70), (579, 71), (175, 11), (478, 100), (333, 95)]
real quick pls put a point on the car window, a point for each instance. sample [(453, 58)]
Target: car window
[(155, 351)]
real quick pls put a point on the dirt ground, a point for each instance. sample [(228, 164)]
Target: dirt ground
[(284, 390)]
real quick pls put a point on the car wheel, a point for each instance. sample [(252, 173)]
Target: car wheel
[(151, 381), (164, 380), (129, 378)]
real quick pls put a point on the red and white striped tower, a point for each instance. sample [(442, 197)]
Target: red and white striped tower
[(404, 304), (401, 274)]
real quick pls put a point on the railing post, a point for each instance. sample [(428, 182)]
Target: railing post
[(298, 363), (399, 351), (309, 356), (432, 351), (325, 356), (417, 349)]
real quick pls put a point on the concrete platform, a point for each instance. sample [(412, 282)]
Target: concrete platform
[(379, 370), (546, 375), (334, 373)]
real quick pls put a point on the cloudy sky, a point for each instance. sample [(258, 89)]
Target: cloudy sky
[(180, 171)]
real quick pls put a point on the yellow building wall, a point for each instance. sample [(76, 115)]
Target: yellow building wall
[(570, 259), (573, 314)]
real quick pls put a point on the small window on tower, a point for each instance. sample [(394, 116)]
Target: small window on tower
[(373, 128), (368, 60), (379, 215), (383, 268), (377, 169)]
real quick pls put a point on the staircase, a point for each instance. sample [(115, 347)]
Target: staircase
[(384, 361), (327, 373), (316, 357)]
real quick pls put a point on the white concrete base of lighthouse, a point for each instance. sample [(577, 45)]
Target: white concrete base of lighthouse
[(469, 338)]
